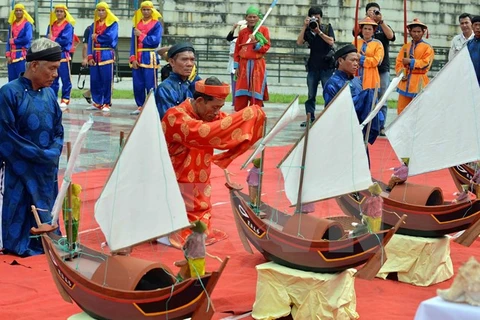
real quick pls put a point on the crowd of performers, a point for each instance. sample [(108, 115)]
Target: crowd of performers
[(31, 132)]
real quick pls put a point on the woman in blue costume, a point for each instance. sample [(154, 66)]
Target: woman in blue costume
[(101, 56), (146, 37), (31, 141), (20, 34), (60, 30)]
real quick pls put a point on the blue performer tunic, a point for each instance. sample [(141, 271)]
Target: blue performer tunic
[(362, 100), (31, 141), (63, 35), (473, 46), (145, 77), (173, 91), (18, 41), (102, 51)]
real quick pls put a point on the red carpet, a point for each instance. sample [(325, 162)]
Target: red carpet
[(28, 292)]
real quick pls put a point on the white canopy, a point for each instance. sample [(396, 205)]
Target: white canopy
[(141, 199), (336, 160), (440, 128)]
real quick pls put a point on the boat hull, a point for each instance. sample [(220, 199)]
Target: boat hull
[(461, 174), (101, 302), (297, 252), (423, 221)]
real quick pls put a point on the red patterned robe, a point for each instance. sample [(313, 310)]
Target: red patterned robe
[(191, 143)]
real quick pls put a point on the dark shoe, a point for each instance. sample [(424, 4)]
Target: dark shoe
[(304, 123), (382, 133), (89, 99)]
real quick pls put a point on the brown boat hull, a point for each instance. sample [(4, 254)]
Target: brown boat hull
[(297, 252), (423, 221), (101, 302)]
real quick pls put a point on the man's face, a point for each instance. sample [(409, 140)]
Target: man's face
[(466, 25), (60, 14), (182, 63), (44, 72), (476, 29), (349, 64), (102, 13), (208, 110), (416, 33), (252, 20), (18, 13), (147, 13)]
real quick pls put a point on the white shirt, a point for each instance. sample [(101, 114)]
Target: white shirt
[(457, 44), (230, 68)]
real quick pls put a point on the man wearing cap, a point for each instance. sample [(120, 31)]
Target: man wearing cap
[(101, 56), (144, 60), (473, 46), (60, 30), (348, 61), (249, 62), (177, 87), (193, 130), (414, 59), (371, 54), (20, 34), (31, 141)]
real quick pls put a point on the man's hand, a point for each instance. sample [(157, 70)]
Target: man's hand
[(252, 37), (406, 61), (91, 62), (84, 62), (9, 60), (137, 32), (135, 64), (94, 37), (307, 21)]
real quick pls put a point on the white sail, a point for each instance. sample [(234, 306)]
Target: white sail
[(440, 128), (77, 146), (392, 86), (336, 161), (141, 199), (290, 114)]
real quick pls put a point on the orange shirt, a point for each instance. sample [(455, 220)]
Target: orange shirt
[(371, 56), (421, 55)]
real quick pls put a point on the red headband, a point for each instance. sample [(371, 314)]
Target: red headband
[(216, 91)]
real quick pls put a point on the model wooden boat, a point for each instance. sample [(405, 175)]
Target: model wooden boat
[(310, 174), (428, 133), (140, 201)]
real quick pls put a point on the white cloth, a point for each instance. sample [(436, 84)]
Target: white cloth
[(437, 308), (230, 68), (2, 176), (458, 42)]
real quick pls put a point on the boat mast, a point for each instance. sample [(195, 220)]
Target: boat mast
[(367, 133), (259, 191), (69, 208), (298, 207)]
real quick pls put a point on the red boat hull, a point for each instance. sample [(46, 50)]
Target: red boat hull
[(101, 302), (297, 252)]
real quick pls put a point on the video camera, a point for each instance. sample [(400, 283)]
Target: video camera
[(313, 23), (376, 12)]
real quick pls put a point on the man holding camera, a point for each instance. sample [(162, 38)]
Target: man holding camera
[(385, 34), (320, 65)]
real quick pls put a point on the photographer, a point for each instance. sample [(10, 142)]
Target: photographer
[(320, 65), (385, 34)]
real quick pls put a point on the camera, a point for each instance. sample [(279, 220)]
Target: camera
[(313, 23), (376, 12)]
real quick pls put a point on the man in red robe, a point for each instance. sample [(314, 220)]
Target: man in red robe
[(193, 130)]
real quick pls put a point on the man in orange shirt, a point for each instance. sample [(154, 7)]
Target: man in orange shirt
[(193, 130), (415, 59)]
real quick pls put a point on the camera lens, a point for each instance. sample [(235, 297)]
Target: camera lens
[(376, 12), (312, 25)]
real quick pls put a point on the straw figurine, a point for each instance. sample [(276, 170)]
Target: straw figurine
[(194, 249), (476, 180), (76, 203), (400, 174), (373, 208), (462, 196), (253, 181)]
